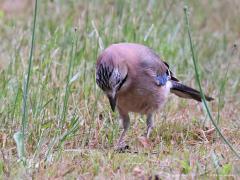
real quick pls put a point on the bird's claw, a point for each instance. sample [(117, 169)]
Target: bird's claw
[(122, 148)]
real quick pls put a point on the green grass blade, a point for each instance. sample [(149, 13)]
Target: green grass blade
[(18, 138), (26, 85), (200, 87), (68, 84)]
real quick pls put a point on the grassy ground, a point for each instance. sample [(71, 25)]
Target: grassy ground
[(71, 131)]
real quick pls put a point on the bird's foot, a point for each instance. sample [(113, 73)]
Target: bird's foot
[(122, 147), (144, 141)]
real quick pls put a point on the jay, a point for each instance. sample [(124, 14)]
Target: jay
[(135, 79)]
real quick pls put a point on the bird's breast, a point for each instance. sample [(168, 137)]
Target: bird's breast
[(144, 100)]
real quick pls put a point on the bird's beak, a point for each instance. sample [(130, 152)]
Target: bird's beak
[(112, 101)]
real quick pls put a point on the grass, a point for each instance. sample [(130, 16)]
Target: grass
[(201, 90), (71, 130)]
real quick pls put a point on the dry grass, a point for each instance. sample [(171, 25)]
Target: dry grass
[(79, 142)]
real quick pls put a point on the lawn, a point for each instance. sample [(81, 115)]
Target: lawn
[(68, 130)]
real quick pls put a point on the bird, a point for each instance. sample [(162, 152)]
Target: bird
[(135, 79)]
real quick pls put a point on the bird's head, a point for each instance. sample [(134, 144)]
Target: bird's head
[(111, 78)]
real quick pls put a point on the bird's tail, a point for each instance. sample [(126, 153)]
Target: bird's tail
[(186, 92)]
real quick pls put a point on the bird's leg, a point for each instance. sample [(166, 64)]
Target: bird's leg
[(144, 140), (125, 121), (149, 125)]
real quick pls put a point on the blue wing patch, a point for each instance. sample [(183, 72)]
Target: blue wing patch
[(161, 80)]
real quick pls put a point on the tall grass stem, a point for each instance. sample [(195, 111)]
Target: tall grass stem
[(26, 84), (200, 87)]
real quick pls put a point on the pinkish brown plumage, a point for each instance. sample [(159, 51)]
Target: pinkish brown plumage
[(135, 79)]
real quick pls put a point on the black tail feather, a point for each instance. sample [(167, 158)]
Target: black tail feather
[(187, 92)]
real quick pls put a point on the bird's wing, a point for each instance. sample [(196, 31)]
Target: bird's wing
[(172, 77), (156, 67), (164, 74)]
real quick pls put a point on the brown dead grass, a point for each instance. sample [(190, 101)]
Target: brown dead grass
[(183, 142)]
